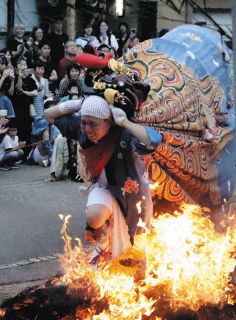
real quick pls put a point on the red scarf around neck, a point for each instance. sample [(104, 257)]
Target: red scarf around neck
[(95, 158)]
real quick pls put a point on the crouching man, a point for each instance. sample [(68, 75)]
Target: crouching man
[(110, 159)]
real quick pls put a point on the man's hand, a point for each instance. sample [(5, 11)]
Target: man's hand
[(20, 48), (49, 94), (21, 73), (6, 73), (3, 122), (119, 116), (12, 76), (21, 144), (18, 87), (40, 87), (136, 129)]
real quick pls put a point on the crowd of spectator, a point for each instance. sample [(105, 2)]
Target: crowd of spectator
[(37, 70)]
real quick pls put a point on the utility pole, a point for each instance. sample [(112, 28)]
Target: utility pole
[(10, 15), (188, 12), (71, 19)]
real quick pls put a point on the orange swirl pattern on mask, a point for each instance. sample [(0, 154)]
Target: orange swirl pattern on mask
[(181, 106)]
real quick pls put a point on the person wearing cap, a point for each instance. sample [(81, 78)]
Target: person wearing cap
[(43, 136), (110, 159)]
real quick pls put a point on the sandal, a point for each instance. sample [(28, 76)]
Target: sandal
[(99, 258), (52, 178)]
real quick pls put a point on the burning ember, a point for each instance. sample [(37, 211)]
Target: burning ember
[(187, 276)]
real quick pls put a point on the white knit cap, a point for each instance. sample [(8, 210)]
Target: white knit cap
[(95, 106)]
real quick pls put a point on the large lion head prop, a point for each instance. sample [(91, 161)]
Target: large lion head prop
[(117, 83)]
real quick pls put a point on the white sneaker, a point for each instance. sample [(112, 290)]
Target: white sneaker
[(4, 168), (45, 162), (13, 166), (19, 162)]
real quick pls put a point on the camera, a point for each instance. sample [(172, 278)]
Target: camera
[(3, 113)]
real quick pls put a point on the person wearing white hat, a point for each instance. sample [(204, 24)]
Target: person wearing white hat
[(117, 175)]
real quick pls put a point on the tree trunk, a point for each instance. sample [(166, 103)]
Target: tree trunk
[(10, 15), (70, 19)]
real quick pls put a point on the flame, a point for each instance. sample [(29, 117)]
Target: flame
[(28, 301), (188, 265), (2, 313), (138, 205), (142, 224)]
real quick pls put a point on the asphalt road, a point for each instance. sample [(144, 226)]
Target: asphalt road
[(30, 238), (29, 222)]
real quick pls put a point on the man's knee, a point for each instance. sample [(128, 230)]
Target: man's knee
[(96, 215), (20, 153), (10, 156)]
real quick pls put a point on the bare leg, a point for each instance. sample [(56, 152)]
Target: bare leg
[(98, 219)]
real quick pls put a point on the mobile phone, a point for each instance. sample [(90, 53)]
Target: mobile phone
[(28, 71), (12, 74)]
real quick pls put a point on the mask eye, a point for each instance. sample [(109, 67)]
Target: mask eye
[(83, 123)]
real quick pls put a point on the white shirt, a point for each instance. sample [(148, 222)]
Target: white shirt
[(4, 145), (113, 43), (39, 99), (15, 141), (82, 41)]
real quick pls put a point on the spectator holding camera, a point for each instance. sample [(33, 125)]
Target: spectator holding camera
[(87, 37), (25, 90), (105, 36), (132, 41), (42, 87), (37, 36), (122, 37), (7, 77), (16, 43), (28, 52), (8, 56), (49, 68)]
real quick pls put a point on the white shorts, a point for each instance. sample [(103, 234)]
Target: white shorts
[(100, 195), (120, 235), (36, 155)]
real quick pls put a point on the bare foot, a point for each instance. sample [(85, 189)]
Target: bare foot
[(52, 178)]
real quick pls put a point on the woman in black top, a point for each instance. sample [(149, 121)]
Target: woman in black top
[(25, 90)]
